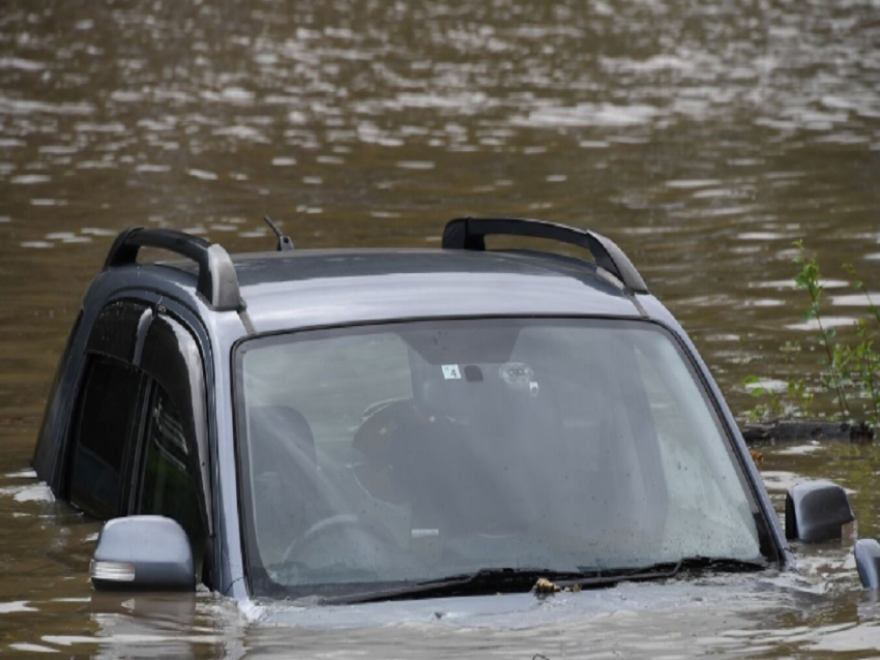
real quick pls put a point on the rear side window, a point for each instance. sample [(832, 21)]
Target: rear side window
[(106, 427)]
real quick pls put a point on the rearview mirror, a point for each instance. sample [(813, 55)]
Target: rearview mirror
[(816, 511), (140, 553)]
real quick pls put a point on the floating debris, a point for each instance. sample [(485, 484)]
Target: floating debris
[(545, 586), (799, 430)]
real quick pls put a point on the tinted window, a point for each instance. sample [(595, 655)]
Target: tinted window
[(116, 329), (169, 482), (171, 357), (105, 430)]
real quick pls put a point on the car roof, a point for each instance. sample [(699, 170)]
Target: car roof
[(294, 289), (303, 288)]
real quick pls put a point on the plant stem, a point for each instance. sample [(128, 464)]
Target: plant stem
[(870, 374), (870, 362), (841, 397)]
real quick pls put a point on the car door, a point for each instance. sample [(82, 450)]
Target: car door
[(138, 441)]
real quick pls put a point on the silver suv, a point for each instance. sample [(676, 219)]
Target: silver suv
[(357, 425)]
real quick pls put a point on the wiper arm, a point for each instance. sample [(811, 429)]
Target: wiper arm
[(722, 564)]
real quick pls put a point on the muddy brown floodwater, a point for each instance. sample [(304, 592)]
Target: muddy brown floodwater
[(704, 137)]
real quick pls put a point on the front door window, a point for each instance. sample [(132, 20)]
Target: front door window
[(169, 487)]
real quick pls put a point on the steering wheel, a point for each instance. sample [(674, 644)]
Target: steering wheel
[(343, 539)]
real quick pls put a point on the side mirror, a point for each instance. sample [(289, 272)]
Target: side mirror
[(142, 553), (867, 552), (816, 511)]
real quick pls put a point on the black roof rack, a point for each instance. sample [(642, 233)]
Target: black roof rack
[(218, 283), (470, 234)]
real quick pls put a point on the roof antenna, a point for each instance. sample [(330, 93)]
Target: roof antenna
[(284, 242)]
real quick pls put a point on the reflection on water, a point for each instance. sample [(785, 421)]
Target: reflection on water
[(703, 137)]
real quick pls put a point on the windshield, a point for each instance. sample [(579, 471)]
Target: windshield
[(412, 451)]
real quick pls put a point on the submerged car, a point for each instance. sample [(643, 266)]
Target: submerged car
[(338, 426)]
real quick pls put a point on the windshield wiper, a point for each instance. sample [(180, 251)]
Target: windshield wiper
[(495, 580), (695, 564), (485, 580), (722, 564)]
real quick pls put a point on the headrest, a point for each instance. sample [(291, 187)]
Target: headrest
[(284, 426)]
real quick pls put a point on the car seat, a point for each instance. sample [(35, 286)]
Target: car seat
[(284, 474)]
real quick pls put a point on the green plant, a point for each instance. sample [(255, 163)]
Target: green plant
[(796, 400), (809, 279), (860, 362), (850, 369)]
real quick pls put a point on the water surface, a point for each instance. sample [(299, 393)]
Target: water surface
[(703, 137)]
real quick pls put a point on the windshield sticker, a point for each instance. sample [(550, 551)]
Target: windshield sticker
[(451, 372)]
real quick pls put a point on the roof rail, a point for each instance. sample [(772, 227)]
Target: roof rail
[(470, 234), (218, 283)]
